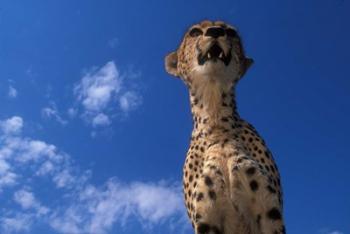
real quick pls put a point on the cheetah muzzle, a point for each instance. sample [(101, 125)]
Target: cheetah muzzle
[(214, 54)]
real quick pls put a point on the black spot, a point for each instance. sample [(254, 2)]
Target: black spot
[(212, 195), (191, 178), (190, 165), (218, 172), (250, 171), (224, 119), (254, 185), (272, 168), (208, 181), (198, 216), (203, 228), (271, 189), (267, 168), (200, 197), (274, 214)]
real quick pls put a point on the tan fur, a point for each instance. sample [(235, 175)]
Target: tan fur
[(231, 182)]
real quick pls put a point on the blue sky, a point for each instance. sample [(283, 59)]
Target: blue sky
[(93, 132)]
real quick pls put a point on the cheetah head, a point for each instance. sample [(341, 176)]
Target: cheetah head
[(210, 52)]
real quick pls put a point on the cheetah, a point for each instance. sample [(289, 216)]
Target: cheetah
[(230, 180)]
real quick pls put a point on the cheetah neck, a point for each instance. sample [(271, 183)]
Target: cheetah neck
[(213, 110)]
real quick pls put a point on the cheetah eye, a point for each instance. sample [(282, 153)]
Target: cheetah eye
[(231, 33), (195, 32)]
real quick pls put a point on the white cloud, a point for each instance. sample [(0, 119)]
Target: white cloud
[(101, 120), (101, 90), (24, 198), (51, 112), (12, 92), (97, 88), (20, 222), (20, 152), (12, 125), (98, 209), (129, 101), (7, 179), (78, 206)]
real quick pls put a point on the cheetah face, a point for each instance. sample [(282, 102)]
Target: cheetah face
[(209, 50)]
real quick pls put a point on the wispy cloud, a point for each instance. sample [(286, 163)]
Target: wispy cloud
[(25, 198), (103, 93), (79, 206), (101, 120), (129, 101), (330, 231), (16, 223), (51, 112), (113, 43), (96, 210), (12, 92)]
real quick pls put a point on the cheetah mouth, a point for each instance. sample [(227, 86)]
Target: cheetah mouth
[(215, 53)]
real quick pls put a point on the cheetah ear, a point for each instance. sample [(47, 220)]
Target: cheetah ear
[(171, 64), (246, 65)]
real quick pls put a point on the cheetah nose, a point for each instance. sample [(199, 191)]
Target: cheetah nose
[(215, 32)]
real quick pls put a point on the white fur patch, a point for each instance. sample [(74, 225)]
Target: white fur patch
[(210, 81)]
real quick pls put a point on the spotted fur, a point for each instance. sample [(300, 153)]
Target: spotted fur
[(230, 179)]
